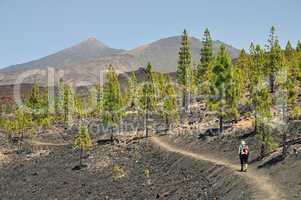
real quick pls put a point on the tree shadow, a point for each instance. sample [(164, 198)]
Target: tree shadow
[(272, 161), (247, 135)]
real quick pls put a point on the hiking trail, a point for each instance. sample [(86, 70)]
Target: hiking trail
[(264, 187), (40, 143)]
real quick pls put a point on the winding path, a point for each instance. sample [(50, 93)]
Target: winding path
[(265, 189), (40, 143)]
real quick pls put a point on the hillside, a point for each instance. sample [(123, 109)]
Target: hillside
[(163, 54), (84, 62)]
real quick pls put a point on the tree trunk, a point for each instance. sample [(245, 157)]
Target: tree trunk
[(80, 157), (262, 151), (272, 83), (221, 127), (285, 146), (20, 142), (255, 124), (146, 123), (263, 147), (167, 123), (184, 101), (112, 135)]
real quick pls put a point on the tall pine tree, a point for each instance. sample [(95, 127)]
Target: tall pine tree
[(219, 83), (183, 68), (68, 105), (112, 101), (148, 97), (274, 58), (168, 101), (34, 101), (206, 60), (242, 74)]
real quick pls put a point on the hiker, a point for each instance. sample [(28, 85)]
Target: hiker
[(243, 155)]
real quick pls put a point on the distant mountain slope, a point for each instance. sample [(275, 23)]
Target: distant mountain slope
[(163, 54), (84, 61), (89, 49)]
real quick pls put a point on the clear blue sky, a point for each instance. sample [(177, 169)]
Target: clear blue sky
[(30, 29)]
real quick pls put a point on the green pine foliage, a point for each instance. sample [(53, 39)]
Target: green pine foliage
[(234, 93), (298, 47), (256, 80), (112, 101), (83, 141), (68, 105), (219, 83), (59, 100), (148, 97), (288, 81), (274, 60), (39, 107), (132, 93), (34, 101), (243, 74), (79, 108), (91, 105), (183, 68), (99, 100), (204, 68), (23, 122), (166, 99), (260, 100), (170, 107)]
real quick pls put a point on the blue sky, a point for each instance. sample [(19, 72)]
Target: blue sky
[(30, 29)]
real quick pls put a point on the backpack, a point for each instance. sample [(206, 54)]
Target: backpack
[(245, 150)]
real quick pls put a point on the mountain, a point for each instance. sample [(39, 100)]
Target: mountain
[(84, 62), (163, 54), (88, 49)]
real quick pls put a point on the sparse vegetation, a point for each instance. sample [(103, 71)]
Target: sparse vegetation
[(262, 84)]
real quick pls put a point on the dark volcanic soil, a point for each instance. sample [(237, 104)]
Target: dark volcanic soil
[(285, 173), (47, 174)]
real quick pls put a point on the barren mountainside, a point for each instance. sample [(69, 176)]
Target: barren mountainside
[(84, 62)]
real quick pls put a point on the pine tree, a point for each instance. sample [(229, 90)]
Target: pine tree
[(219, 83), (256, 78), (59, 100), (262, 103), (192, 86), (260, 100), (274, 58), (82, 142), (234, 93), (298, 47), (148, 98), (289, 51), (132, 92), (243, 73), (68, 105), (79, 107), (91, 107), (184, 65), (9, 127), (99, 101), (112, 101), (206, 60), (34, 101), (288, 77), (170, 111), (22, 122)]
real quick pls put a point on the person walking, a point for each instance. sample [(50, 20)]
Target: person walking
[(243, 155)]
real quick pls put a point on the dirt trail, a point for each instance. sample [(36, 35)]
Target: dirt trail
[(40, 143), (264, 188)]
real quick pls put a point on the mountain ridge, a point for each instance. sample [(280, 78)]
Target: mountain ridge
[(85, 60)]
